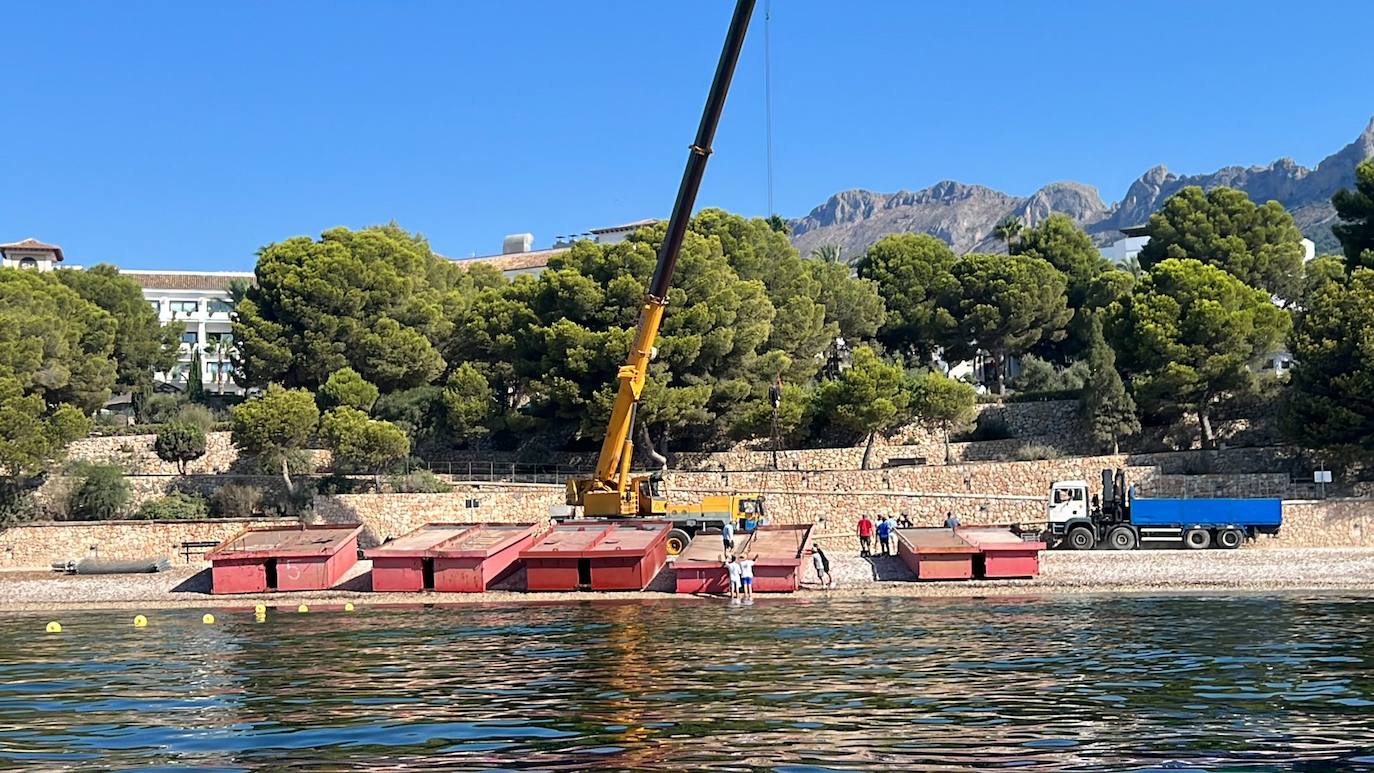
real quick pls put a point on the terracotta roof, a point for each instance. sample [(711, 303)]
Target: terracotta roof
[(516, 261), (636, 225), (186, 280), (32, 244)]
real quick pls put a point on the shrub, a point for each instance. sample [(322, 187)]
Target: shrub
[(236, 500), (180, 443), (337, 484), (102, 495), (418, 482), (197, 416), (176, 506), (992, 425), (1032, 452), (162, 409), (346, 388)]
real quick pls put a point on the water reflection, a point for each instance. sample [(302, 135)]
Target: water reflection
[(1090, 683)]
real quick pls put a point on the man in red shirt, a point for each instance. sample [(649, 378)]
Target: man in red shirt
[(865, 536)]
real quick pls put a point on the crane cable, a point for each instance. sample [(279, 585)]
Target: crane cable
[(768, 96)]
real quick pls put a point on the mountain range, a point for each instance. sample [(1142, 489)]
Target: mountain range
[(965, 215)]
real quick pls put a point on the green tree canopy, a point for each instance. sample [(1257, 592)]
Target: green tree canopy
[(914, 277), (1319, 272), (941, 403), (1330, 403), (871, 396), (1092, 281), (274, 424), (1105, 406), (468, 403), (1187, 335), (53, 342), (852, 304), (1005, 304), (142, 345), (31, 433), (377, 300), (179, 444), (1261, 245), (345, 387), (1355, 208), (358, 442)]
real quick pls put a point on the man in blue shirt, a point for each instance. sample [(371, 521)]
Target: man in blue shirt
[(885, 535), (951, 521)]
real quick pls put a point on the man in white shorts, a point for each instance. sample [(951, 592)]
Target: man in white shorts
[(732, 567)]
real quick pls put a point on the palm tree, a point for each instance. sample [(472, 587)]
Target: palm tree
[(1008, 230), (220, 351), (829, 253), (1131, 265)]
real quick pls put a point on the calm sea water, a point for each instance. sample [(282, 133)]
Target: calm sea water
[(1089, 683)]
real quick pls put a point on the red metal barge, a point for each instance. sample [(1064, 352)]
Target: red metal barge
[(1002, 554), (936, 553), (781, 552), (597, 555), (284, 558), (449, 557)]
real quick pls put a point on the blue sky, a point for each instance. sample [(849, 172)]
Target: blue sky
[(187, 135)]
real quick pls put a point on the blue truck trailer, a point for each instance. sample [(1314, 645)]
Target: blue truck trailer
[(1120, 520)]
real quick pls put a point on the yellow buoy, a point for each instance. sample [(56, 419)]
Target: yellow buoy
[(140, 621), (348, 606), (208, 618), (260, 609), (302, 608), (54, 627)]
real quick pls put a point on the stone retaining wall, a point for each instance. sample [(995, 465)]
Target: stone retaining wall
[(135, 455), (39, 545)]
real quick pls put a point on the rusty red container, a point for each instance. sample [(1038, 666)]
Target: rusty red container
[(288, 558), (597, 555), (936, 553), (781, 557), (1002, 553), (449, 557)]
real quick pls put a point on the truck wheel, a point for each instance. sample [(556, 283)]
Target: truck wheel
[(678, 540), (1230, 539), (1197, 539), (1081, 538), (1121, 538)]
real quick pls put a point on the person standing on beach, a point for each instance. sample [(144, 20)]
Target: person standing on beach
[(732, 568), (885, 536), (746, 576), (821, 562), (865, 536), (951, 521)]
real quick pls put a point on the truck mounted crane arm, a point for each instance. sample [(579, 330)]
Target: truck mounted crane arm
[(611, 491)]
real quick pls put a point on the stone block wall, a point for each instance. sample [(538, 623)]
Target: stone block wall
[(1326, 523), (135, 455), (391, 515), (39, 545)]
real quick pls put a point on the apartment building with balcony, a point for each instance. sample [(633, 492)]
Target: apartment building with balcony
[(202, 302)]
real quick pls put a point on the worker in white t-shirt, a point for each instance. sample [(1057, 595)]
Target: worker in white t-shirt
[(732, 567), (746, 576)]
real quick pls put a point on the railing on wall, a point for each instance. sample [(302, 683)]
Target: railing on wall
[(501, 472)]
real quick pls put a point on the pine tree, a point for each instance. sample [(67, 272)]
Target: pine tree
[(195, 381), (1106, 407)]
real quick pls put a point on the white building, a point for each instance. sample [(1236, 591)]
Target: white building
[(202, 303), (1123, 250), (30, 254), (518, 255)]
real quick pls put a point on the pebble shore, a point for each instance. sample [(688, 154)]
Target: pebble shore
[(1141, 572)]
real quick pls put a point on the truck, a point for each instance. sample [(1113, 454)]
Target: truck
[(1121, 520), (612, 490)]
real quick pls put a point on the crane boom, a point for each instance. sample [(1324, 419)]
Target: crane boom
[(611, 491)]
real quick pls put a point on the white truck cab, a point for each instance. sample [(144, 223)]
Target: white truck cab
[(1068, 501)]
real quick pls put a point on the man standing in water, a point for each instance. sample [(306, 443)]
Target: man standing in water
[(732, 568), (746, 577), (865, 536)]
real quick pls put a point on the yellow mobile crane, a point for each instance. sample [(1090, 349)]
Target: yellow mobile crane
[(613, 491)]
